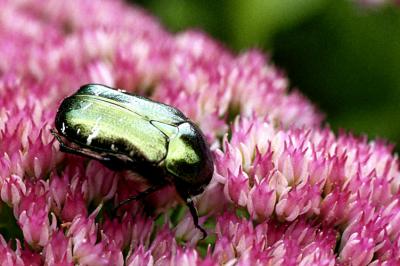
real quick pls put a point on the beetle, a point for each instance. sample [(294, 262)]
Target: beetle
[(130, 132)]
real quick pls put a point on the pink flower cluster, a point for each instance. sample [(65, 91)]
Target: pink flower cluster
[(285, 190), (343, 183)]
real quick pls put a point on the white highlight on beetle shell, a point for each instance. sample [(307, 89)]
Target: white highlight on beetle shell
[(113, 148), (87, 106), (63, 128), (95, 132)]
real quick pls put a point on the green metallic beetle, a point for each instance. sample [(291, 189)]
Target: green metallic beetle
[(126, 131)]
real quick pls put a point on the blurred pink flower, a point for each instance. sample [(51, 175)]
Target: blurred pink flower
[(285, 190)]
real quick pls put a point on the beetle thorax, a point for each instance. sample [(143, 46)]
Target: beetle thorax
[(187, 160)]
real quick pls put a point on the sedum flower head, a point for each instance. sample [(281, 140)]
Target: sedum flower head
[(286, 191)]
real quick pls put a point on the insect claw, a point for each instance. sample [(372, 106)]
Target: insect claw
[(195, 216)]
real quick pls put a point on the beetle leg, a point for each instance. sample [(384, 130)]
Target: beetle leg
[(77, 151), (139, 196), (193, 212)]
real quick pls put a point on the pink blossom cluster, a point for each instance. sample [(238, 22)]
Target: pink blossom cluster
[(344, 183), (285, 190)]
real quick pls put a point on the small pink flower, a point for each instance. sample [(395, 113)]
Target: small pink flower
[(237, 189), (33, 215), (163, 246), (36, 227), (185, 256), (12, 189), (31, 258), (141, 231), (8, 256), (58, 250), (298, 201), (262, 201), (74, 205), (333, 207), (212, 200), (357, 250), (59, 186), (186, 231), (101, 182), (86, 249), (224, 250), (119, 232), (42, 156), (392, 213), (140, 257)]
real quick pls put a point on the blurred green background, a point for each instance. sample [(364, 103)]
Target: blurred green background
[(344, 56)]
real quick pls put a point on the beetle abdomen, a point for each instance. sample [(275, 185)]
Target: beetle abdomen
[(94, 123)]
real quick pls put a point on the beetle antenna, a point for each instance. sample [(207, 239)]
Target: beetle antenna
[(193, 212)]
